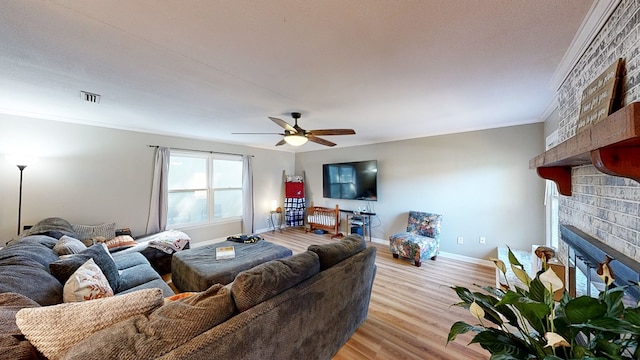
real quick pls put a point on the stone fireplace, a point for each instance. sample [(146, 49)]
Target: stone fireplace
[(603, 207)]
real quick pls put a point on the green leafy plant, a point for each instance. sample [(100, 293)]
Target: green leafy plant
[(524, 322)]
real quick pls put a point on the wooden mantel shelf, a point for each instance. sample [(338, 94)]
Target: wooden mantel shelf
[(612, 145)]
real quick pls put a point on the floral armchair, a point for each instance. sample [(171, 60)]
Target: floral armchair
[(421, 240)]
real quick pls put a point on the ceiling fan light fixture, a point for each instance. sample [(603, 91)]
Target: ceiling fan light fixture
[(296, 139)]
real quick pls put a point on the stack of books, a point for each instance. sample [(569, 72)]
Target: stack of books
[(225, 252)]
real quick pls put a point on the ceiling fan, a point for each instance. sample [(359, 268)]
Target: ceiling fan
[(296, 136)]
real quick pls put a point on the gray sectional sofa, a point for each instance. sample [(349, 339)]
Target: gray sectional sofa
[(303, 307), (25, 269)]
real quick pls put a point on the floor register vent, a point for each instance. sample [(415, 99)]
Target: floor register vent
[(90, 97)]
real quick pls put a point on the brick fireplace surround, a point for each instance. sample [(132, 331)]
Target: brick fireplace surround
[(605, 207)]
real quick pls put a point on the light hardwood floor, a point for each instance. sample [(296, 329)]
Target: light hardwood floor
[(410, 311)]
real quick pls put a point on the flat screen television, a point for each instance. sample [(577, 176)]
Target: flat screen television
[(351, 180)]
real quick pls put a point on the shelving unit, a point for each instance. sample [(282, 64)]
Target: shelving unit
[(361, 219), (611, 145)]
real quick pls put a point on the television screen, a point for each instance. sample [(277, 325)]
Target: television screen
[(351, 180)]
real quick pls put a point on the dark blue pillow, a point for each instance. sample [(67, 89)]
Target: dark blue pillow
[(63, 269)]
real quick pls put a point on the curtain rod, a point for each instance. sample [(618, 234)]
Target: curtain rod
[(204, 151)]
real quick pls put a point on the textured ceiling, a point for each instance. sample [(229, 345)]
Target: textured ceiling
[(388, 69)]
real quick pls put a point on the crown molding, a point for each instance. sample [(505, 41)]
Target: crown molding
[(591, 25), (551, 107)]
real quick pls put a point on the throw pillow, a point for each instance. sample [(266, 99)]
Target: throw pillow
[(68, 245), (63, 268), (168, 327), (88, 232), (54, 329), (120, 242), (86, 283), (179, 296), (331, 254), (269, 279)]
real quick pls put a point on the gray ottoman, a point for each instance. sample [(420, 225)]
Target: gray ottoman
[(197, 269)]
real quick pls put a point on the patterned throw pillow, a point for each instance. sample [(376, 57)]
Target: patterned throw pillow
[(53, 330), (120, 242), (87, 283), (68, 245)]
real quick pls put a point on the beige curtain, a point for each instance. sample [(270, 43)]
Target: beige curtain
[(247, 195), (158, 205)]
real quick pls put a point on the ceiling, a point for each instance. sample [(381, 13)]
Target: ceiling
[(204, 69)]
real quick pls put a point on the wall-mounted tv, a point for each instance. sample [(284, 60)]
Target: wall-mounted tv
[(351, 180)]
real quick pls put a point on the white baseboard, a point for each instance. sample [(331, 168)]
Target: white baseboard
[(207, 242), (379, 241), (213, 241), (468, 259), (448, 255)]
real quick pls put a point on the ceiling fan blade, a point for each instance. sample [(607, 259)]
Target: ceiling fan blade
[(256, 133), (332, 132), (320, 141), (283, 124), (281, 142)]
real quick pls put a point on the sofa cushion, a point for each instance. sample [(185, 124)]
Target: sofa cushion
[(125, 260), (13, 345), (168, 327), (55, 329), (267, 280), (51, 227), (63, 268), (86, 283), (24, 261), (136, 273), (67, 245), (331, 254)]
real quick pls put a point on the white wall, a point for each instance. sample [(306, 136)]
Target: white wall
[(479, 181), (91, 175)]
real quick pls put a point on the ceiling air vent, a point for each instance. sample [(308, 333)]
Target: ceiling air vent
[(90, 97)]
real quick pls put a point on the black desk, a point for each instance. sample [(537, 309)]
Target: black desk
[(364, 215)]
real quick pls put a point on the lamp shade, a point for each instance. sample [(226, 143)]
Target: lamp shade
[(274, 205), (295, 139)]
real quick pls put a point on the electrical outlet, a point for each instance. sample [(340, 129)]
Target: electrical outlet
[(460, 240), (483, 240)]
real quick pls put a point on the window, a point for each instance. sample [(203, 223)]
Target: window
[(341, 180), (203, 188)]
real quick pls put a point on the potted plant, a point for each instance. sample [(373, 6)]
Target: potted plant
[(524, 322)]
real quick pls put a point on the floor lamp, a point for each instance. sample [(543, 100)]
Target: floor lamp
[(21, 164), (21, 167)]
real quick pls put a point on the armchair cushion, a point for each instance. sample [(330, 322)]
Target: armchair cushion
[(425, 224)]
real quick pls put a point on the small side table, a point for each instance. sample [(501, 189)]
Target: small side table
[(278, 219)]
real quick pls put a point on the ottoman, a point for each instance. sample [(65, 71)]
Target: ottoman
[(197, 269)]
